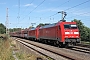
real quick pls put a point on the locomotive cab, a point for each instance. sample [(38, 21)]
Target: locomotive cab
[(71, 33)]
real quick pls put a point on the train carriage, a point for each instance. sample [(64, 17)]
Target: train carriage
[(22, 34), (31, 33), (25, 33)]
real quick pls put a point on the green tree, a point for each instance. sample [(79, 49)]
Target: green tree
[(14, 29), (84, 31), (2, 28), (41, 24), (31, 27), (88, 33)]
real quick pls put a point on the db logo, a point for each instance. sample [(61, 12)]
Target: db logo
[(71, 32)]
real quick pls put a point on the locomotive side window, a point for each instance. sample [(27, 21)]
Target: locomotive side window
[(67, 26), (59, 27)]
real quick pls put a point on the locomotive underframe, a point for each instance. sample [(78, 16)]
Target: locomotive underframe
[(72, 40)]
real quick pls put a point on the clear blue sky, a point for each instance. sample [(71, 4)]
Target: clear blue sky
[(30, 13)]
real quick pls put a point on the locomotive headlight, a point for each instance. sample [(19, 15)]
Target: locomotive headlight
[(76, 32), (67, 32)]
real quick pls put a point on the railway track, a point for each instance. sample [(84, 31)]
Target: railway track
[(79, 49), (42, 51), (84, 45), (53, 52)]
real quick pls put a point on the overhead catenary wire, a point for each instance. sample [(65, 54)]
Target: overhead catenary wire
[(59, 6), (27, 7), (64, 3), (34, 8), (77, 5), (72, 7), (79, 14), (65, 9), (79, 10)]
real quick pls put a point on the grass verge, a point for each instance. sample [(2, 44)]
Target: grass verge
[(85, 42), (5, 50)]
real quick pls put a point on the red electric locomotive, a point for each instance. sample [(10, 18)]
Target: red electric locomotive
[(22, 34), (33, 33), (62, 33)]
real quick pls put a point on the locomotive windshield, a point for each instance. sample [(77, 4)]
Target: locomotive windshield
[(70, 26)]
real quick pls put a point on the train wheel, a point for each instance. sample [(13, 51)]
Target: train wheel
[(66, 45), (74, 44), (57, 44), (45, 41), (54, 43)]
